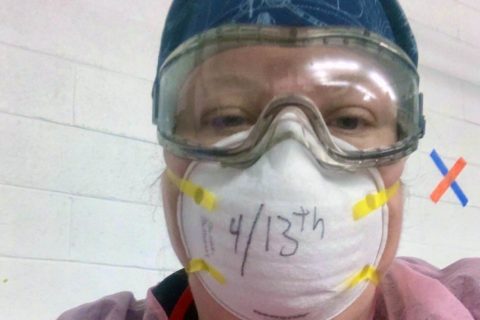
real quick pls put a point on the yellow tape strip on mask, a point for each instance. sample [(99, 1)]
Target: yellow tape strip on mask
[(368, 273), (197, 265), (200, 195), (373, 201)]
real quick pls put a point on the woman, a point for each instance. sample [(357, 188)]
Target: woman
[(286, 126)]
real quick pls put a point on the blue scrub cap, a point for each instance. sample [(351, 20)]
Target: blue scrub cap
[(188, 18)]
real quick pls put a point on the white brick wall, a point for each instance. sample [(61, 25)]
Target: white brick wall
[(79, 218), (40, 289), (121, 36), (450, 79), (110, 102)]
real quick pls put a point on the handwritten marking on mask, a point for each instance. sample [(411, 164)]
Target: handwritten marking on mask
[(236, 231), (285, 234), (208, 243), (197, 265), (278, 317), (200, 195), (289, 227), (267, 242), (249, 241), (373, 201)]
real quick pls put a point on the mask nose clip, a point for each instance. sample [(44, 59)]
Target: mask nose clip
[(302, 110), (296, 117), (291, 123), (290, 117)]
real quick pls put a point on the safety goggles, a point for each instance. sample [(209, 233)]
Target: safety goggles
[(356, 92)]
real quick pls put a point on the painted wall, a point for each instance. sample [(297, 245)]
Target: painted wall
[(80, 210)]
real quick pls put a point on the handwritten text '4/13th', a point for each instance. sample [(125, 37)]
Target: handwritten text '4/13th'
[(300, 221)]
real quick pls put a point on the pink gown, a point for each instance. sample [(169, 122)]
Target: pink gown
[(411, 290)]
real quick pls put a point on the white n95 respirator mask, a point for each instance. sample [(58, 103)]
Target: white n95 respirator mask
[(284, 238)]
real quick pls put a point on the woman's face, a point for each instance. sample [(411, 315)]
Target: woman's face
[(276, 72), (207, 305), (356, 94), (390, 175)]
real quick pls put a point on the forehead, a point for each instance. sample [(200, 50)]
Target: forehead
[(277, 59), (279, 68)]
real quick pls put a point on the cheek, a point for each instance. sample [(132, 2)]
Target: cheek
[(170, 195), (391, 174)]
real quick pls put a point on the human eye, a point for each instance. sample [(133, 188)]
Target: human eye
[(350, 120), (347, 123), (227, 119)]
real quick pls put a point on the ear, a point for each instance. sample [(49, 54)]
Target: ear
[(170, 195), (390, 175)]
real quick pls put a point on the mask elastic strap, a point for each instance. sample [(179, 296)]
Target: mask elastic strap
[(199, 194), (368, 273), (362, 209), (374, 201), (197, 265), (208, 200)]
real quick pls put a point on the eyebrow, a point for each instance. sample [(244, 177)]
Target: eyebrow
[(235, 80)]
